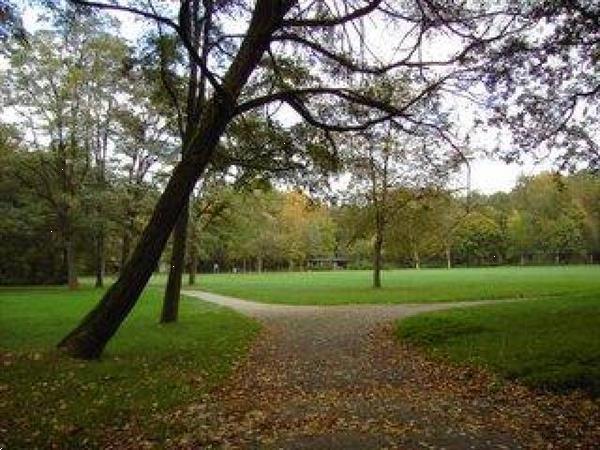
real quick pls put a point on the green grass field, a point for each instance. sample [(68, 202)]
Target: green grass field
[(147, 369), (551, 343), (405, 286)]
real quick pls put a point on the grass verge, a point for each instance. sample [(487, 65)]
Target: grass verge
[(552, 344), (147, 369)]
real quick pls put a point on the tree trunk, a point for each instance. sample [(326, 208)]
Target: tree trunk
[(416, 258), (448, 258), (522, 262), (377, 262), (100, 262), (193, 265), (193, 253), (170, 307), (68, 248), (259, 264), (89, 338), (72, 280)]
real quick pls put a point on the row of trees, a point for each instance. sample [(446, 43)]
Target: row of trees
[(94, 126), (77, 164), (545, 219)]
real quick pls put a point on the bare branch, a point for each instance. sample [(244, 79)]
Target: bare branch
[(132, 10), (356, 14)]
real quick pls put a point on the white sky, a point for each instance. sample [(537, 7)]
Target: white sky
[(487, 175)]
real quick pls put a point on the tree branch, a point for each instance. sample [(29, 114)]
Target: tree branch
[(356, 14)]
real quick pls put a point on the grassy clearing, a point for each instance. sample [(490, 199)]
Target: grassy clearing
[(146, 371), (405, 286), (550, 344)]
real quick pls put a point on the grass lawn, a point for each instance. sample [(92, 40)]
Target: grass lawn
[(146, 370), (552, 343), (405, 286)]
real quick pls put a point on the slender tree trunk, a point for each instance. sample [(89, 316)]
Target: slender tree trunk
[(377, 262), (88, 339), (448, 257), (192, 274), (259, 264), (193, 265), (100, 262), (170, 307), (522, 262), (244, 265), (72, 280), (416, 258), (69, 250), (193, 253)]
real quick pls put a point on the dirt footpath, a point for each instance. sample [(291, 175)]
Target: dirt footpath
[(336, 378)]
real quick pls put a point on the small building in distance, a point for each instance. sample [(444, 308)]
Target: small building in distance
[(332, 263)]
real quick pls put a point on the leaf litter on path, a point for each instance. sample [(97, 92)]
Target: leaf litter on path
[(338, 378)]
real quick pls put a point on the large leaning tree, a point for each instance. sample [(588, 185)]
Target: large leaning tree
[(243, 73), (254, 145)]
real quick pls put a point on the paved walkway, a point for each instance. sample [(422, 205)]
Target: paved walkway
[(334, 377)]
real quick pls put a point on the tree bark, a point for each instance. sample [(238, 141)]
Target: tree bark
[(416, 258), (193, 259), (377, 262), (378, 244), (72, 280), (193, 251), (69, 249), (89, 338), (448, 257), (170, 307)]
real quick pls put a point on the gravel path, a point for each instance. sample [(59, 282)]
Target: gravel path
[(334, 377)]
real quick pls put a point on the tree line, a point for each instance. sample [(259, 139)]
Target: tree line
[(546, 219)]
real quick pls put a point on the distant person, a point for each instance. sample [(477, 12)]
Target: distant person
[(215, 268)]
